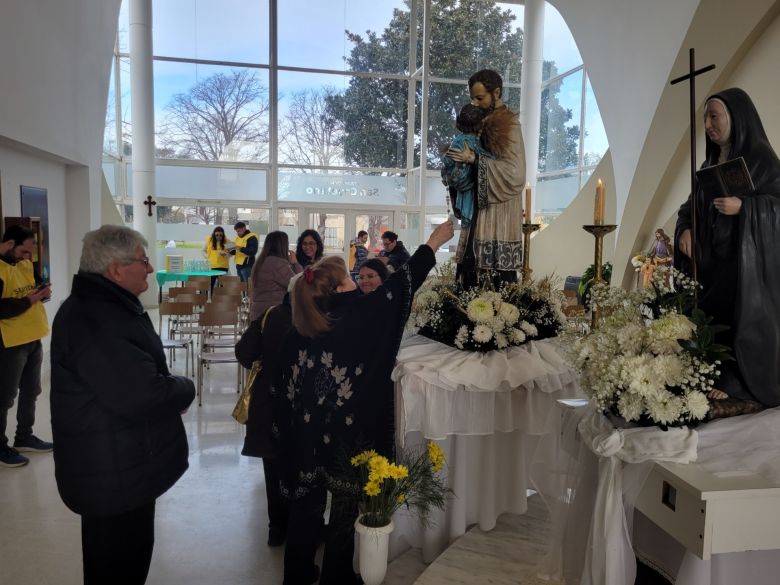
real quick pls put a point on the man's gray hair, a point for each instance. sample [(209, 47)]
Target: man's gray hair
[(107, 244)]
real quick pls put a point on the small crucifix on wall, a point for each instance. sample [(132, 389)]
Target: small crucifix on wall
[(149, 204)]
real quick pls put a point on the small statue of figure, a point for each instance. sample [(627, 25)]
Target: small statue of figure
[(660, 254)]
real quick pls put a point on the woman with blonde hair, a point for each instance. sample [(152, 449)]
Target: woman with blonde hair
[(333, 397)]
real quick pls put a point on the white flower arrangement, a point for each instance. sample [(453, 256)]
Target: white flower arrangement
[(647, 361), (484, 320)]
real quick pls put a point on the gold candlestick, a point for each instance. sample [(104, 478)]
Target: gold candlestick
[(598, 232), (528, 229)]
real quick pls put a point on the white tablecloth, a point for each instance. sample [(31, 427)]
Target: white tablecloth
[(590, 477), (487, 412)]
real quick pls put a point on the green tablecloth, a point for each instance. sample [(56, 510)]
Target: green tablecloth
[(164, 276)]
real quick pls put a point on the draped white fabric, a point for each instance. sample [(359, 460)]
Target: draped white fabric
[(591, 475), (442, 391), (487, 411)]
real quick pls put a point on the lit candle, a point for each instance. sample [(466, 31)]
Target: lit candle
[(527, 208), (598, 212)]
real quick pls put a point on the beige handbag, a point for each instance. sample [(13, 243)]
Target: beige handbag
[(241, 410)]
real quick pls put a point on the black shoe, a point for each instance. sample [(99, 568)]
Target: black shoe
[(276, 536)]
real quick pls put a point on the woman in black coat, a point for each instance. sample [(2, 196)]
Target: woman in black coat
[(263, 341), (333, 397)]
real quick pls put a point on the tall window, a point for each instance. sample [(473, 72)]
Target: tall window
[(349, 109), (571, 138)]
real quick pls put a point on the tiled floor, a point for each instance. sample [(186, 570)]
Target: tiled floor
[(210, 526)]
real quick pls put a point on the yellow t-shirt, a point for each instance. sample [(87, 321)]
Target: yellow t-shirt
[(32, 325), (215, 259)]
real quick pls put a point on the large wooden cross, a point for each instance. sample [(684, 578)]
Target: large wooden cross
[(691, 78), (149, 204)]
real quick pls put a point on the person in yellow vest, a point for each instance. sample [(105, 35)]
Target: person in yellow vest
[(245, 250), (23, 323), (217, 252)]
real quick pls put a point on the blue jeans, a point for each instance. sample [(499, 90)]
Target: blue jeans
[(21, 371), (244, 272)]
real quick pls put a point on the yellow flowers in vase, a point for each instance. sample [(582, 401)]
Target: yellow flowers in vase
[(382, 487)]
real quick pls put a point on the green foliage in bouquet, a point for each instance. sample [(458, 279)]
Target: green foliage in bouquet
[(647, 360), (483, 319), (381, 487), (586, 281)]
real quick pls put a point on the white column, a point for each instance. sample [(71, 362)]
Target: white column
[(531, 86), (142, 98)]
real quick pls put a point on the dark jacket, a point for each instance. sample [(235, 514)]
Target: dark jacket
[(265, 345), (115, 407), (398, 257), (332, 396)]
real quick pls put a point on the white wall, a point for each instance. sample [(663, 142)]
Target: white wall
[(632, 49), (55, 59), (564, 248), (20, 168)]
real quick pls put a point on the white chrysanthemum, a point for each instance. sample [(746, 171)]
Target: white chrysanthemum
[(509, 313), (697, 405), (529, 329), (497, 324), (672, 326), (630, 406), (492, 296), (426, 298), (638, 376), (518, 336), (480, 310), (630, 338), (666, 409), (482, 333), (669, 369), (638, 260), (501, 340)]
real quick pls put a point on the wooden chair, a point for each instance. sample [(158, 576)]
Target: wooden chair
[(228, 278), (175, 291), (211, 323), (189, 325), (571, 307), (177, 309)]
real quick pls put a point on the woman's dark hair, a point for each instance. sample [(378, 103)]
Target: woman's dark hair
[(310, 293), (388, 235), (302, 258), (377, 266), (469, 120), (275, 244), (213, 239)]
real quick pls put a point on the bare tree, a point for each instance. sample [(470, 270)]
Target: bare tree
[(223, 117), (310, 133)]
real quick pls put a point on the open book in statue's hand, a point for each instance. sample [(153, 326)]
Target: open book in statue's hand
[(729, 178)]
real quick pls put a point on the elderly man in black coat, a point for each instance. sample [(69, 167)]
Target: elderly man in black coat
[(115, 408)]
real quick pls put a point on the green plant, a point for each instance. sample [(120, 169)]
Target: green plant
[(583, 289)]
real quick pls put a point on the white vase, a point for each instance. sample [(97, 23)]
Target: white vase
[(373, 551)]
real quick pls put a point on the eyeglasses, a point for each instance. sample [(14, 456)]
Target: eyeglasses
[(144, 259)]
